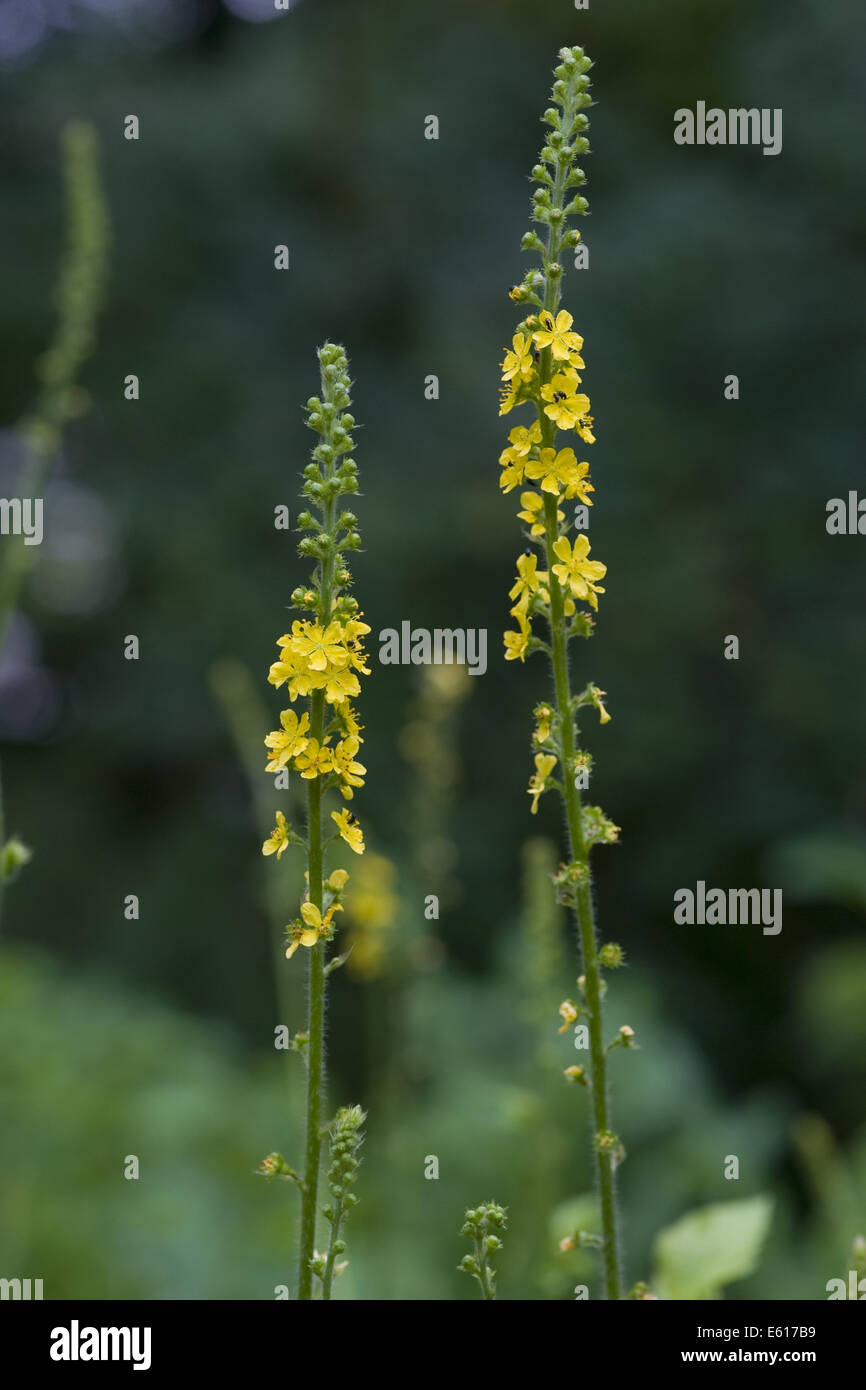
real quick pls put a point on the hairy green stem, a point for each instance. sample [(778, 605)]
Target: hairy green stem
[(316, 1015), (315, 1025), (487, 1290), (328, 1276), (578, 852)]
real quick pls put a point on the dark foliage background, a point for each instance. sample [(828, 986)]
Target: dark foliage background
[(307, 129)]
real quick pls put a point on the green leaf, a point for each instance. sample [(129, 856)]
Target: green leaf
[(711, 1247)]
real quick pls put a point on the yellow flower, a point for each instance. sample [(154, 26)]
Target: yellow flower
[(568, 1014), (544, 765), (314, 919), (516, 642), (554, 333), (518, 362), (321, 648), (511, 476), (528, 580), (355, 629), (301, 937), (279, 839), (507, 399), (314, 927), (349, 717), (340, 686), (563, 383), (532, 513), (580, 486), (520, 442), (284, 743), (315, 760), (351, 773), (597, 700), (576, 572), (372, 912), (280, 671), (337, 881), (350, 830), (559, 472), (543, 715), (584, 429)]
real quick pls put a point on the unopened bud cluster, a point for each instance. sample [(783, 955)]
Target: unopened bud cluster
[(480, 1225)]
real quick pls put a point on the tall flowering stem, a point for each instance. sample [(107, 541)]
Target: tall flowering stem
[(319, 662), (558, 584)]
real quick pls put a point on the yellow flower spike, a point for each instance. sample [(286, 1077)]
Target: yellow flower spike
[(279, 838), (347, 824), (519, 361), (554, 333), (544, 765), (567, 600)]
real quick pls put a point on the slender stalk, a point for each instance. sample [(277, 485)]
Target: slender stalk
[(542, 370), (346, 1140), (578, 852), (315, 1027), (585, 914), (318, 662), (328, 1277)]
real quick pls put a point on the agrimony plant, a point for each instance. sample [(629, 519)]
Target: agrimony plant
[(557, 584), (319, 662)]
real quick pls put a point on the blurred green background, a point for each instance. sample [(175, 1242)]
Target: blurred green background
[(155, 1037)]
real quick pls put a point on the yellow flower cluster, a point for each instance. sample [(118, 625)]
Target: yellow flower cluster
[(313, 924), (532, 458), (313, 657), (558, 398)]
